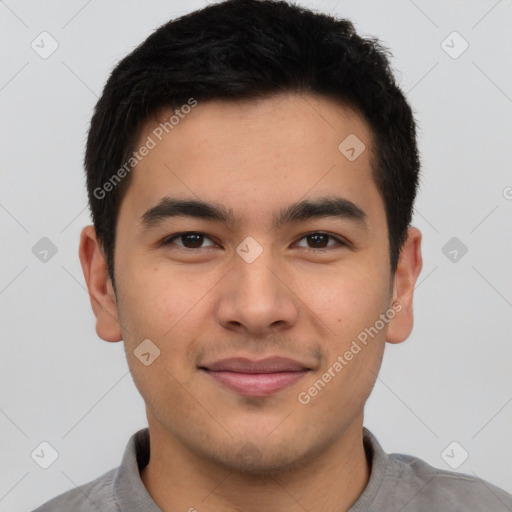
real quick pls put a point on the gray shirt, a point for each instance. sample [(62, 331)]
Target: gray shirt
[(397, 483)]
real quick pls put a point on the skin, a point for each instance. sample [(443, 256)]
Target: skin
[(294, 300)]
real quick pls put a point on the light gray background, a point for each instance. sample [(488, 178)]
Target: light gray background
[(451, 381)]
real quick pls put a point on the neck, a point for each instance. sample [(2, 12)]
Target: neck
[(332, 480)]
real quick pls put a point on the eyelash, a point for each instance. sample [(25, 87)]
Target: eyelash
[(340, 243)]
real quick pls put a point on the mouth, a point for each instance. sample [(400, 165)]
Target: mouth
[(256, 378)]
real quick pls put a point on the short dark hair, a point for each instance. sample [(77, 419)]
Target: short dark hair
[(245, 49)]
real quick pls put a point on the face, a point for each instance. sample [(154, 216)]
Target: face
[(270, 319)]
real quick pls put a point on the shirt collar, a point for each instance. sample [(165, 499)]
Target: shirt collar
[(378, 460), (129, 490)]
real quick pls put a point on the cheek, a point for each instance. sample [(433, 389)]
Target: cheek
[(348, 300), (155, 298), (352, 356), (151, 308), (166, 307)]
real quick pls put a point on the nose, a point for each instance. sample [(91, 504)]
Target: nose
[(256, 298)]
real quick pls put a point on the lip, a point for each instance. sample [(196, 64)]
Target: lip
[(256, 378), (245, 365)]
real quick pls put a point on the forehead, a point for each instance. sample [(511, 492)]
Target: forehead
[(252, 154)]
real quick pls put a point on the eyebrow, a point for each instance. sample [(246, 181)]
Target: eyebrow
[(323, 207)]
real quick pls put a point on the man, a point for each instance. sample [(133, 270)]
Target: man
[(252, 169)]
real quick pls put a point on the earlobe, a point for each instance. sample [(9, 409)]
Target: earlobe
[(99, 285), (408, 269)]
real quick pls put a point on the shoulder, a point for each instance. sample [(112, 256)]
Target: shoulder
[(420, 486), (90, 497), (409, 484), (117, 490)]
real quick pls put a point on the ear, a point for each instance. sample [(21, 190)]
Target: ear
[(408, 269), (101, 291)]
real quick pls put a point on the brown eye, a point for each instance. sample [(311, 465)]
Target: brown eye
[(320, 240), (189, 240)]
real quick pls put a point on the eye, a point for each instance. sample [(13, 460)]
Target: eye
[(320, 240), (196, 240), (189, 240)]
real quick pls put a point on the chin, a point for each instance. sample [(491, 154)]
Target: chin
[(260, 461)]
